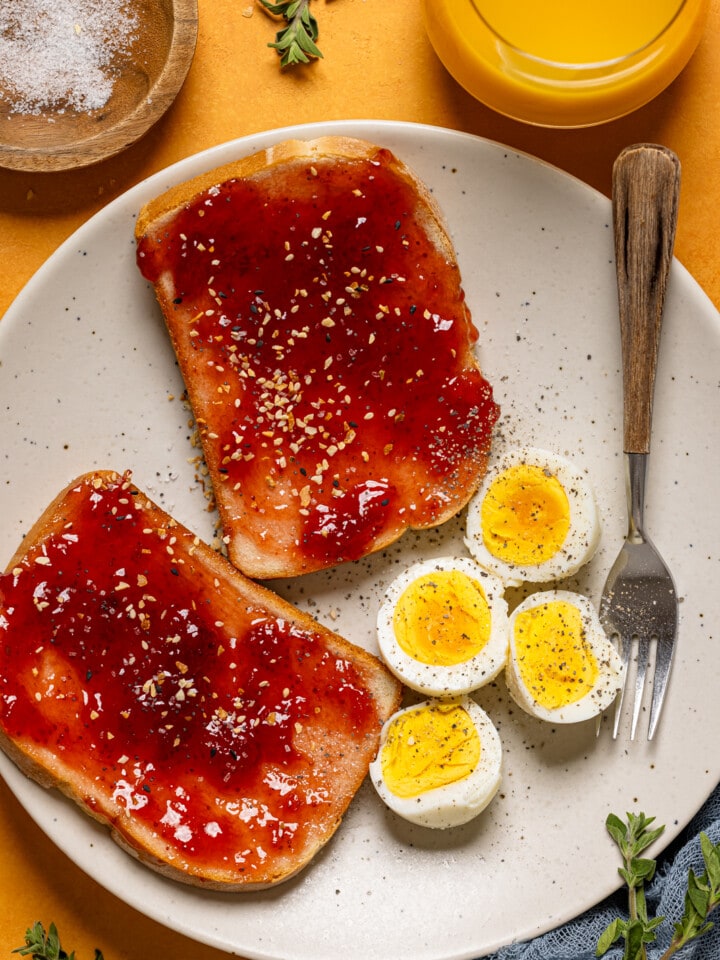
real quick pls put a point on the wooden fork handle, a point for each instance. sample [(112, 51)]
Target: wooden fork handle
[(645, 190)]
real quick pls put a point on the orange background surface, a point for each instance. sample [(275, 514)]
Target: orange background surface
[(378, 64)]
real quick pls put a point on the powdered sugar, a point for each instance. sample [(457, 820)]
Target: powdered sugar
[(61, 54)]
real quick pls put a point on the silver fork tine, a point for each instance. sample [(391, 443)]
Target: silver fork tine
[(624, 645), (663, 662), (642, 659)]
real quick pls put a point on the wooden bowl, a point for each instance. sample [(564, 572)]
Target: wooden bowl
[(146, 80)]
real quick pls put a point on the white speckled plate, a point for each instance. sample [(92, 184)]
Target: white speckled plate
[(86, 376)]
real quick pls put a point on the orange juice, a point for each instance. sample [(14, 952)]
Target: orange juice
[(565, 62)]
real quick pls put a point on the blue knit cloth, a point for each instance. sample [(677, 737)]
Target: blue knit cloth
[(577, 940)]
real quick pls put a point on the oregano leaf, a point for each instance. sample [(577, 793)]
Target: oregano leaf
[(644, 869), (698, 895), (711, 856), (616, 828), (609, 936)]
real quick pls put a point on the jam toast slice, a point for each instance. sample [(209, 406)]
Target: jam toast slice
[(313, 299), (218, 731)]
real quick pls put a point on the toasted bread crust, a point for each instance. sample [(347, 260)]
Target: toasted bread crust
[(330, 755), (277, 546), (156, 211)]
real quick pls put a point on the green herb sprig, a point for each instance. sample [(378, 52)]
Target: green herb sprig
[(295, 43), (701, 898), (46, 946)]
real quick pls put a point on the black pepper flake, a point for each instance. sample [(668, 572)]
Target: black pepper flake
[(174, 571), (146, 788), (178, 300)]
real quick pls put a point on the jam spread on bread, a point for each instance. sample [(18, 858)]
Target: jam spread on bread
[(134, 666), (327, 349)]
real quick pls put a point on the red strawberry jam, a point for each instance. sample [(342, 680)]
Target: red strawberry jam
[(143, 676), (327, 348)]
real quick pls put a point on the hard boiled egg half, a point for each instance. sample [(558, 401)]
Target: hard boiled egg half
[(439, 762), (442, 627), (562, 666), (534, 519)]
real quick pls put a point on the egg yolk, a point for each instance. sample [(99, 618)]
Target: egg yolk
[(525, 515), (442, 618), (556, 663), (430, 747)]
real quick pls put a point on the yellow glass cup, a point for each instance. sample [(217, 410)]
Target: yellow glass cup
[(565, 63)]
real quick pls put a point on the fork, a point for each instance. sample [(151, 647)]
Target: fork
[(639, 602)]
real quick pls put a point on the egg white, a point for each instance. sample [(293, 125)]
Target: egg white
[(449, 805), (610, 667), (437, 680), (583, 535)]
